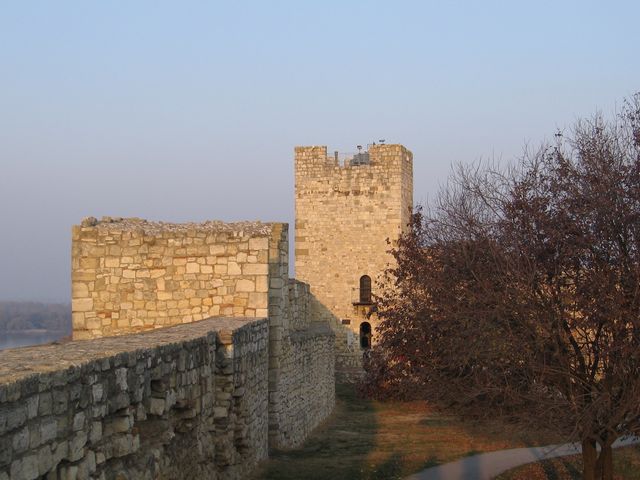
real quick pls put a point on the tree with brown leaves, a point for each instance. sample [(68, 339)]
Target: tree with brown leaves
[(517, 293)]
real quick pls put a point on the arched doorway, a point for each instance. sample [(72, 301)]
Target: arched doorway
[(365, 335)]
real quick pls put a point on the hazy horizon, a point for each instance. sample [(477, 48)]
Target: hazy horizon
[(190, 111)]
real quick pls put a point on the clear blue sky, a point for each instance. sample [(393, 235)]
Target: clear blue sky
[(189, 110)]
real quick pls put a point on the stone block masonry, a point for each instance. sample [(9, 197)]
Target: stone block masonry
[(344, 215), (193, 352), (266, 386), (185, 402), (130, 275)]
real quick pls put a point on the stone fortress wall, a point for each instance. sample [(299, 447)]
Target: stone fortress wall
[(344, 215), (184, 402), (130, 275), (194, 353), (153, 302)]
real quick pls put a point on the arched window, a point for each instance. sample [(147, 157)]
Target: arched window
[(365, 289), (365, 335)]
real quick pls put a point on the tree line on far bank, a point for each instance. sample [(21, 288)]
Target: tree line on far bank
[(20, 316), (517, 292)]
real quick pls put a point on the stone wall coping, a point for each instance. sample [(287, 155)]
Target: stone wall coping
[(118, 224), (19, 363)]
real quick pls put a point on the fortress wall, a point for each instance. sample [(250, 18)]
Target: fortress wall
[(178, 403), (130, 275), (301, 355), (344, 216), (306, 388)]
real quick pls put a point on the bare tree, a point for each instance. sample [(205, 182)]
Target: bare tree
[(517, 292)]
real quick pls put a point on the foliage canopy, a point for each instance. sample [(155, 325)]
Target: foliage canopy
[(517, 292)]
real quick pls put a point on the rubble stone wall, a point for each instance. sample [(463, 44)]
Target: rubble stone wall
[(301, 354), (305, 394), (185, 402)]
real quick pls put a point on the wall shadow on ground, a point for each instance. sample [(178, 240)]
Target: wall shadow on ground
[(372, 440), (362, 440), (337, 449), (552, 472)]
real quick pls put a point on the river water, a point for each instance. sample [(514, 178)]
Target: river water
[(22, 339)]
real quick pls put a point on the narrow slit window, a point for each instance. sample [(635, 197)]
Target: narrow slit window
[(365, 289)]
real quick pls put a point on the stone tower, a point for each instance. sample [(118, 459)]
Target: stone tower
[(346, 209)]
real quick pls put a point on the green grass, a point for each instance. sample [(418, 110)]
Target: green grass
[(371, 440)]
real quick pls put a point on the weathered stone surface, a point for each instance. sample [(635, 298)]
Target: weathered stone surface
[(156, 406), (21, 440), (79, 421), (243, 285), (204, 399), (344, 214), (15, 417), (76, 446), (48, 429), (45, 460), (255, 269), (131, 275), (25, 468), (95, 434), (82, 304), (193, 373)]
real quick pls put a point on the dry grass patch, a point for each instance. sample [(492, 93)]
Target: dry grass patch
[(371, 440), (626, 465)]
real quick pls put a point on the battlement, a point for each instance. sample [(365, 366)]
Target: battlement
[(376, 157)]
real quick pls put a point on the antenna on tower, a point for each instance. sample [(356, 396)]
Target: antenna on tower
[(360, 158)]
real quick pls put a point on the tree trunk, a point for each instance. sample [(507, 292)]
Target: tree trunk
[(589, 460), (604, 464), (594, 466)]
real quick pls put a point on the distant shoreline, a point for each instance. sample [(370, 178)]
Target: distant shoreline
[(32, 337), (36, 331), (30, 319)]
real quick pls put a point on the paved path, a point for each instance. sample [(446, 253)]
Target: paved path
[(486, 466)]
